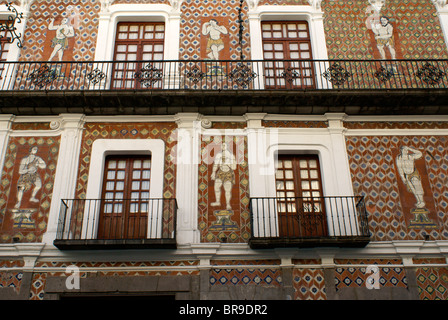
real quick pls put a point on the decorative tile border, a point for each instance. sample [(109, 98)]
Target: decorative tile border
[(294, 124), (396, 125), (245, 276), (356, 276), (432, 283), (309, 284)]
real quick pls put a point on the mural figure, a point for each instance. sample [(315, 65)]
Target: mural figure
[(223, 175), (384, 37), (410, 169), (60, 41), (214, 44), (409, 174), (29, 176)]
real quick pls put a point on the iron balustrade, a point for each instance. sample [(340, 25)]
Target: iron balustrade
[(309, 217), (224, 75), (119, 219)]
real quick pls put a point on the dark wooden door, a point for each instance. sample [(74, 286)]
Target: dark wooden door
[(288, 45), (135, 42), (125, 198), (300, 205)]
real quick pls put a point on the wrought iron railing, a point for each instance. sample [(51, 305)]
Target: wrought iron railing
[(120, 219), (309, 217), (225, 75)]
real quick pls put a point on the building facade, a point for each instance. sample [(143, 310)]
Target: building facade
[(262, 149)]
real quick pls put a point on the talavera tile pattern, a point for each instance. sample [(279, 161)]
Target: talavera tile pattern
[(372, 162), (418, 32)]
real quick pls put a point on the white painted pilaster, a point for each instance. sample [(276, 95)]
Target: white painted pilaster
[(339, 150), (442, 12), (187, 158), (71, 126)]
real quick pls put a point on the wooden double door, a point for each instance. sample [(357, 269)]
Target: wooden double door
[(139, 49), (287, 54), (125, 198), (300, 202)]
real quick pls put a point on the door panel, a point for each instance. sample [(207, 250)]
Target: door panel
[(125, 198), (300, 204), (288, 44), (136, 42)]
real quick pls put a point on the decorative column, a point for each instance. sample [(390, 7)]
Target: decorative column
[(257, 154), (172, 47), (336, 130), (187, 160), (255, 30), (103, 30), (344, 183), (71, 126)]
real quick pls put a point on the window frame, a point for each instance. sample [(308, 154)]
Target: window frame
[(297, 76), (310, 209), (314, 17), (5, 39), (129, 66), (131, 223), (13, 50), (116, 13), (101, 148), (265, 144)]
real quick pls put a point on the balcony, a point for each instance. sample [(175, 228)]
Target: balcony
[(230, 87), (308, 222), (117, 224)]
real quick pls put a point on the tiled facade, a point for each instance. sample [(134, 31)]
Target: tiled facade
[(27, 222), (213, 257), (416, 36), (384, 194)]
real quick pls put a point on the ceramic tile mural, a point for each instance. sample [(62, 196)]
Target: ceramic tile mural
[(26, 187), (402, 177), (414, 30), (61, 31), (195, 14), (391, 203), (223, 198), (349, 26)]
